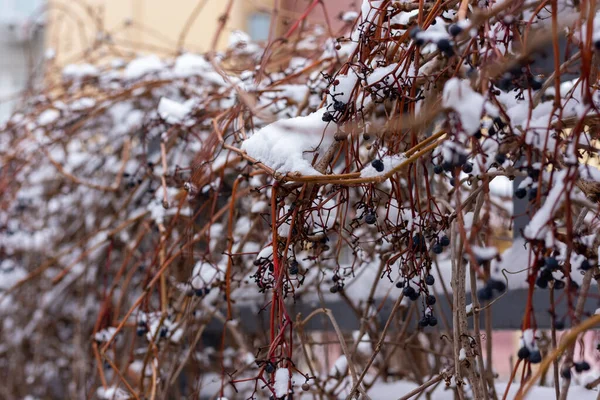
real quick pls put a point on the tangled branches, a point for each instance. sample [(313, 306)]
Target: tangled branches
[(144, 200)]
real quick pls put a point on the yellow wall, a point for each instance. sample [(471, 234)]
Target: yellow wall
[(138, 26)]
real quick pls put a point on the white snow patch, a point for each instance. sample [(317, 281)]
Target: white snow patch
[(459, 96), (142, 66), (174, 112), (48, 116), (282, 381), (289, 145)]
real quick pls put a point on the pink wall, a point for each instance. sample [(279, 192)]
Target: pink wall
[(333, 8)]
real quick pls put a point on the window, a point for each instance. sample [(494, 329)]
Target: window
[(258, 26)]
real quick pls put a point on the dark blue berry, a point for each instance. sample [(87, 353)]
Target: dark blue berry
[(430, 300), (437, 248), (445, 241), (370, 218), (565, 372), (454, 30), (523, 353), (585, 265), (496, 285), (163, 331), (432, 320), (532, 194), (500, 158), (485, 293), (400, 284), (447, 166), (408, 291), (378, 165), (141, 331), (269, 367), (438, 169), (467, 168), (551, 263), (452, 182), (294, 267), (559, 325), (424, 322), (541, 283), (414, 31), (520, 193), (327, 117), (559, 285), (429, 280), (445, 47), (582, 366), (414, 296), (535, 357), (339, 106)]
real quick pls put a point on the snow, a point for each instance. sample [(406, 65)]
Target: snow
[(389, 163), (112, 393), (79, 71), (340, 367), (105, 334), (48, 116), (538, 226), (462, 356), (289, 145), (143, 66), (174, 112), (469, 104), (282, 381)]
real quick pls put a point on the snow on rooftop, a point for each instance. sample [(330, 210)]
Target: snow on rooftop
[(289, 145)]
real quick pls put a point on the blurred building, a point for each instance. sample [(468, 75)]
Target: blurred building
[(21, 46)]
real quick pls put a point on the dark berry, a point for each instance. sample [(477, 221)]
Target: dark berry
[(378, 165), (339, 106), (452, 181), (541, 283), (418, 243), (551, 263), (408, 291), (419, 42), (335, 278), (399, 284), (504, 83), (546, 274), (565, 372), (438, 169), (535, 357), (497, 285), (516, 71), (424, 321), (327, 117), (492, 131), (454, 30), (430, 300), (485, 293), (467, 168), (199, 292), (429, 280), (437, 248), (163, 331), (141, 331), (585, 265), (462, 159), (535, 83), (523, 353), (597, 45), (269, 367), (414, 296), (582, 366), (294, 267), (559, 285), (478, 134), (334, 289), (499, 123), (447, 166), (445, 47), (414, 31), (445, 241), (370, 218), (533, 173), (532, 194), (500, 158), (520, 193), (559, 325), (432, 320)]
